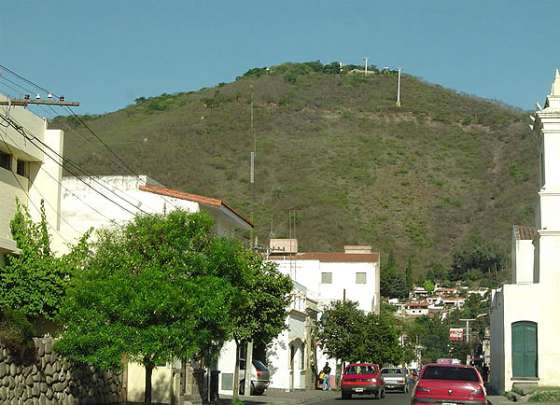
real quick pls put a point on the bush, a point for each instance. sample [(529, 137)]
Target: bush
[(547, 395)]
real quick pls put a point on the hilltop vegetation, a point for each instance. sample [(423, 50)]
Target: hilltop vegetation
[(421, 180)]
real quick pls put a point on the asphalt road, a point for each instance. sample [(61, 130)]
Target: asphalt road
[(390, 399)]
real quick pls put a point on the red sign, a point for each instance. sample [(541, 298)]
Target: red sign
[(456, 334)]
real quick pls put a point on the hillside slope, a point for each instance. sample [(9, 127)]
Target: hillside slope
[(417, 180)]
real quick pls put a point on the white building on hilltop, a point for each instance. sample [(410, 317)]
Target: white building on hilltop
[(524, 317), (30, 171)]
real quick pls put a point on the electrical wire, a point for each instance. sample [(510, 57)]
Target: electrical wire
[(33, 138), (30, 200), (81, 121)]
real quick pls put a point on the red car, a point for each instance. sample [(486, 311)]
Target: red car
[(362, 379), (449, 384)]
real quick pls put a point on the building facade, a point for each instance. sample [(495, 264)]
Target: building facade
[(524, 317), (30, 171)]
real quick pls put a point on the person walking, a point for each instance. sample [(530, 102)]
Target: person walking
[(326, 375)]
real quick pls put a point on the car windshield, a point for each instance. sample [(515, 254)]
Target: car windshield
[(391, 371), (259, 365), (360, 370), (450, 373)]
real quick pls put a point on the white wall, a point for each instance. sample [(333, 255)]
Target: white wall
[(308, 273), (43, 173), (533, 302), (523, 260)]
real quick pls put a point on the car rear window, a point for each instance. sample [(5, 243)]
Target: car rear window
[(360, 370), (259, 365), (449, 373), (391, 371)]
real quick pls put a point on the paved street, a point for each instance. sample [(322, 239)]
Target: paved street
[(390, 399)]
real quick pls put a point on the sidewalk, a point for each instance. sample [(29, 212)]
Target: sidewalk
[(284, 398)]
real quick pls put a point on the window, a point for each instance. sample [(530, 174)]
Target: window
[(5, 160), (361, 278), (326, 278), (22, 168), (524, 350), (449, 373)]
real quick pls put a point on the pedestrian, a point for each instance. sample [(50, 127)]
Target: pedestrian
[(326, 374)]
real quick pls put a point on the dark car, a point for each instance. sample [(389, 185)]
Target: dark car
[(449, 384), (260, 377), (362, 379)]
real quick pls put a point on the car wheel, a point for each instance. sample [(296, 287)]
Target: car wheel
[(346, 395), (383, 393)]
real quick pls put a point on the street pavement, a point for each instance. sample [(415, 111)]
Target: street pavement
[(390, 399), (318, 397)]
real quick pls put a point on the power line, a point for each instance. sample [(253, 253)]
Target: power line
[(82, 122), (30, 200), (31, 140)]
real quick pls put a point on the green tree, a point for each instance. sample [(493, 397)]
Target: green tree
[(393, 283), (149, 292), (408, 276), (429, 286), (348, 334), (340, 330), (34, 281), (260, 315)]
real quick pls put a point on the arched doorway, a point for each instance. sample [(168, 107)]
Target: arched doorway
[(524, 349)]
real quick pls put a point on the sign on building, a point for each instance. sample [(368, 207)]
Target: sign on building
[(456, 334)]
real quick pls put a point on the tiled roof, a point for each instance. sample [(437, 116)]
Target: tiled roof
[(523, 232), (339, 257), (181, 195)]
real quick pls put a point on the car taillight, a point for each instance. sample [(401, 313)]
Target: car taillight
[(479, 392), (373, 380), (259, 373)]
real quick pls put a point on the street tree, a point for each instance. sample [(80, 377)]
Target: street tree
[(150, 291), (263, 298), (348, 334)]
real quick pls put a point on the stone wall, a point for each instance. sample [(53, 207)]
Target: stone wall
[(50, 379)]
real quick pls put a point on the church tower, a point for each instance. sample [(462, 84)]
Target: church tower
[(547, 244)]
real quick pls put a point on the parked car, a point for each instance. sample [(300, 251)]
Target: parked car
[(362, 379), (260, 377), (395, 378), (450, 384)]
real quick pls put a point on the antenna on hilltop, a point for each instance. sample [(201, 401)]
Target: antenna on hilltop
[(252, 178), (398, 103)]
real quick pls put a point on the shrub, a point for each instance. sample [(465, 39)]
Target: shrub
[(547, 395)]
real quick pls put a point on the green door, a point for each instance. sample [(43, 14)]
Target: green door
[(524, 349)]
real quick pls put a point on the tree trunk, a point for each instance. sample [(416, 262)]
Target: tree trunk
[(148, 366), (236, 372)]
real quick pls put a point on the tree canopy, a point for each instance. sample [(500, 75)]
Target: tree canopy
[(150, 290), (348, 334)]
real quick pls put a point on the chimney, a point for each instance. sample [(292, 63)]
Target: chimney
[(357, 249)]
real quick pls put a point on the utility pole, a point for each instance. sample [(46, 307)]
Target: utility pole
[(468, 332), (252, 180), (398, 103), (365, 62)]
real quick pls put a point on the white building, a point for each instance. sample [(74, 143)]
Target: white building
[(327, 277), (83, 208), (524, 317), (29, 171), (353, 274), (291, 357)]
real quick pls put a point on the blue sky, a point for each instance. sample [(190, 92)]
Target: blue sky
[(106, 53)]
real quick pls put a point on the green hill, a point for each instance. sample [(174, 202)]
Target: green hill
[(418, 180)]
